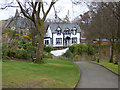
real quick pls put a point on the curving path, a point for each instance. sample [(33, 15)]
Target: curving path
[(58, 52), (95, 76)]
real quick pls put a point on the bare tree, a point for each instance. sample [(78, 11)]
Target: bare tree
[(35, 10)]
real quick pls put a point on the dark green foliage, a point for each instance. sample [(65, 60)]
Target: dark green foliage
[(7, 53), (22, 43), (82, 49), (78, 50), (72, 48), (91, 49), (6, 57), (48, 49), (68, 54), (10, 53), (24, 50), (30, 47), (118, 47), (21, 54), (4, 52)]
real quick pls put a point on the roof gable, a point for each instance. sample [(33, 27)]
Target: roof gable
[(21, 22)]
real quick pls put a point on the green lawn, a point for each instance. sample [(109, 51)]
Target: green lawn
[(113, 67), (53, 74)]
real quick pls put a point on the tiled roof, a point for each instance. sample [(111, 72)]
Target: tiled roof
[(64, 26), (21, 22)]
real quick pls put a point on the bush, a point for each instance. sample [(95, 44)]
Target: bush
[(78, 49), (30, 48), (49, 49), (68, 54), (91, 49), (22, 54), (82, 49), (77, 57), (11, 53), (6, 57), (47, 55), (8, 53), (72, 48)]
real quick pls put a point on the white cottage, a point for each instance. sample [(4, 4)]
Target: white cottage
[(62, 35)]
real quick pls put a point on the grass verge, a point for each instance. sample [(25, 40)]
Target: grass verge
[(113, 67), (52, 74)]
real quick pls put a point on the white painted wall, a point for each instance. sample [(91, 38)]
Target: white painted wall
[(54, 39), (49, 33)]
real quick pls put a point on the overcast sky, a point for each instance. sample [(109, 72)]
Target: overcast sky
[(62, 5)]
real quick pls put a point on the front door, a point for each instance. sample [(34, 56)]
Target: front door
[(67, 41)]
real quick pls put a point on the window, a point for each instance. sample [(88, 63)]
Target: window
[(74, 40), (67, 31), (58, 31), (58, 41), (46, 42), (74, 31)]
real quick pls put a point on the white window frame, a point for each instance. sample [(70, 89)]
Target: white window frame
[(58, 41)]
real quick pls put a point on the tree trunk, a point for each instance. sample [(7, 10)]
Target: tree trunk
[(116, 52), (99, 50), (39, 53), (112, 51)]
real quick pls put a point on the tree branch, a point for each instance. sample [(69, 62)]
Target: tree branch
[(8, 6), (52, 3), (23, 11), (43, 9), (39, 6), (34, 8), (116, 14)]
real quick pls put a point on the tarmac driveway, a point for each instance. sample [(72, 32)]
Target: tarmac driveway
[(95, 76)]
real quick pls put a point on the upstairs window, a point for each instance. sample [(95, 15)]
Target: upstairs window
[(58, 41), (67, 31), (74, 31), (58, 31)]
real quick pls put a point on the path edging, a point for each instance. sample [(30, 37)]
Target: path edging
[(79, 78), (106, 68)]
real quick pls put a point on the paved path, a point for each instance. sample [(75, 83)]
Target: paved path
[(95, 76), (58, 52)]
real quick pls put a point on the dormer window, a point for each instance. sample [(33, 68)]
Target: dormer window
[(74, 31), (67, 31), (58, 31)]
